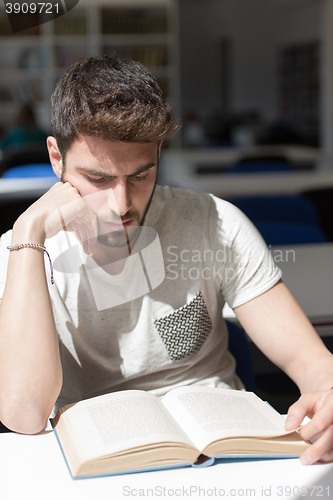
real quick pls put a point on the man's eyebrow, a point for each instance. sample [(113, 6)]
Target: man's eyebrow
[(103, 173)]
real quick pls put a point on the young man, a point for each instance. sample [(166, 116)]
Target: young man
[(141, 272)]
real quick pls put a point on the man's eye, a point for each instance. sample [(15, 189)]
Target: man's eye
[(141, 177), (99, 180)]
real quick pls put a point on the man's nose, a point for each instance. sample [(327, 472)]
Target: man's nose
[(119, 200)]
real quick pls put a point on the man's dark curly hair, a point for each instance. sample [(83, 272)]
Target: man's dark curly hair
[(112, 98)]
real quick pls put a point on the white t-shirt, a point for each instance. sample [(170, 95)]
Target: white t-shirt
[(157, 324)]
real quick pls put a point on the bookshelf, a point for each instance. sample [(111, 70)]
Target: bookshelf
[(299, 85), (32, 61)]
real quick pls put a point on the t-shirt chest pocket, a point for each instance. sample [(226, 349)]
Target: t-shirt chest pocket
[(185, 330)]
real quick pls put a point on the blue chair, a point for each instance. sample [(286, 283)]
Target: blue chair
[(322, 198), (240, 349), (26, 154), (285, 233), (297, 209), (10, 210), (33, 170), (259, 167)]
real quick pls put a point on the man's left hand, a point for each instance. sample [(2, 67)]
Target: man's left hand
[(318, 406)]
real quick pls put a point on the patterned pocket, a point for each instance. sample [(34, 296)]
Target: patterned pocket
[(185, 330)]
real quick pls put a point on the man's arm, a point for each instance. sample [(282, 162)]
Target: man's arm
[(278, 326), (30, 368)]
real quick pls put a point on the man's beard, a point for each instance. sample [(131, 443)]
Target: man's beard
[(117, 239)]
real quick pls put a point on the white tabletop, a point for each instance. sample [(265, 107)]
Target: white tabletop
[(219, 156), (179, 168), (33, 467), (251, 184), (307, 270)]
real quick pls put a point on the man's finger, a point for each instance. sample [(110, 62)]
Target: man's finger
[(322, 448), (298, 411)]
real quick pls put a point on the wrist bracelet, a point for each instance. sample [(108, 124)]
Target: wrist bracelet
[(18, 246)]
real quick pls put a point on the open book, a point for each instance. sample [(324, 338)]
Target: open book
[(135, 430)]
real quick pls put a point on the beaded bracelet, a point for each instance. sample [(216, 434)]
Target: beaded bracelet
[(18, 246)]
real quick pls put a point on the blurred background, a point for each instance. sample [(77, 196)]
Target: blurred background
[(251, 81), (238, 72)]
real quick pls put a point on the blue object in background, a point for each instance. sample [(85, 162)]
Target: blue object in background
[(240, 349), (278, 208), (258, 167), (287, 233), (33, 170)]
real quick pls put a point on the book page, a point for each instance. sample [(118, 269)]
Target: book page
[(208, 414), (122, 420)]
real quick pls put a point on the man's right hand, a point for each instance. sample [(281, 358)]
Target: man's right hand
[(60, 208), (30, 365)]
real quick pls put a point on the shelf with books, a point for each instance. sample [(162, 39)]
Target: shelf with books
[(138, 39), (299, 85), (74, 23), (21, 90), (23, 67), (20, 24), (63, 57), (36, 58), (148, 20), (145, 34), (151, 56), (69, 42), (28, 59), (11, 76)]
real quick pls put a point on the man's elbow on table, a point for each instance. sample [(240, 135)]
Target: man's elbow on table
[(28, 413), (24, 420)]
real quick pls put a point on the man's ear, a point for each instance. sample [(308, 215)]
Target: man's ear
[(55, 156), (159, 146)]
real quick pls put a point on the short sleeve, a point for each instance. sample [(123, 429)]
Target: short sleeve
[(249, 268), (4, 254)]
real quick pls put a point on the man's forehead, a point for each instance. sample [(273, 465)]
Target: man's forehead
[(99, 146)]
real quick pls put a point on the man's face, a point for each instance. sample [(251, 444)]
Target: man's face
[(124, 174)]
